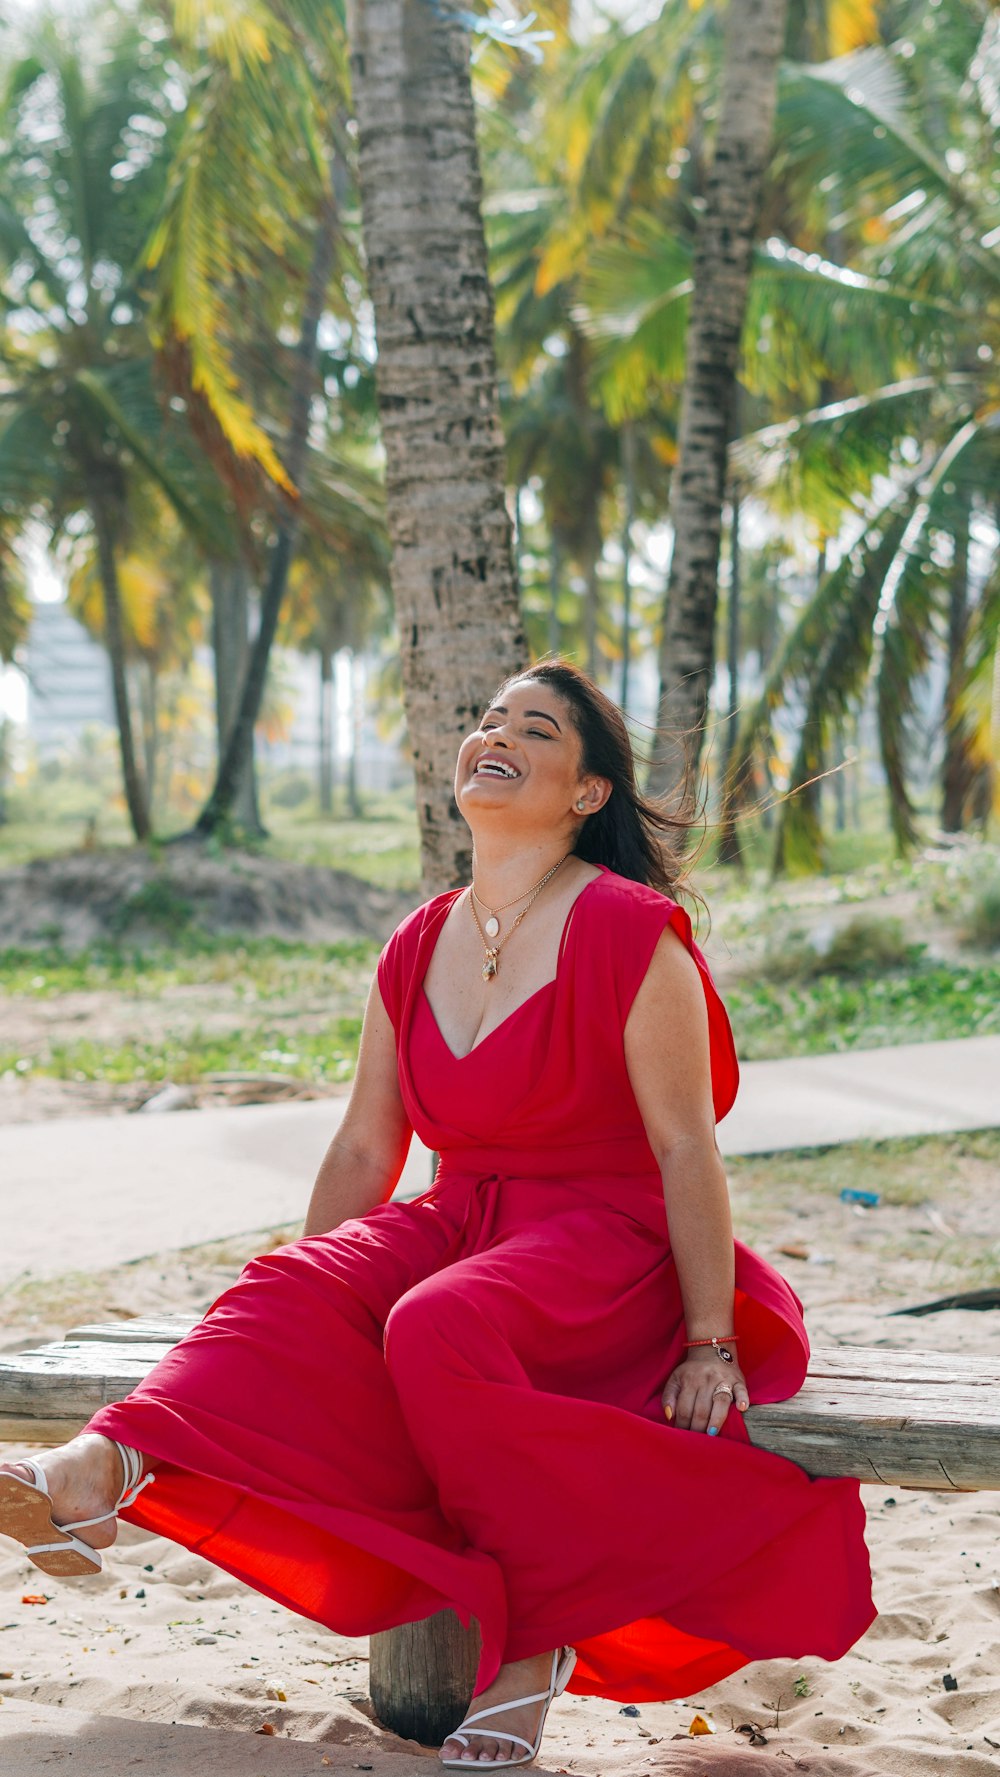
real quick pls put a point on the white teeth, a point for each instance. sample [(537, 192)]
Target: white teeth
[(497, 768)]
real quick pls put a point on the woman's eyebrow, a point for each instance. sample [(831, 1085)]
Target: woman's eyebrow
[(500, 709)]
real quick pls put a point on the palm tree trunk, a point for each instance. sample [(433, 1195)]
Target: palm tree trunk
[(722, 264), (627, 442), (114, 639), (592, 599), (352, 784), (228, 581), (325, 737), (839, 786), (555, 582), (730, 849), (956, 770), (233, 762), (148, 699), (453, 575), (733, 627)]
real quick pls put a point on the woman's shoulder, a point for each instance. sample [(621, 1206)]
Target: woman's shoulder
[(637, 916)]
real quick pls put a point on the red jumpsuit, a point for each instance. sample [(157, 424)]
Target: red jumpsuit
[(456, 1400)]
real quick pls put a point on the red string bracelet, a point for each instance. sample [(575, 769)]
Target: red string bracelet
[(730, 1339)]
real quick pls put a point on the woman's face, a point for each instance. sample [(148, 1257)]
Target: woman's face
[(525, 760)]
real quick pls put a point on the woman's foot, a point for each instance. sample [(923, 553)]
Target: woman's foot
[(521, 1678), (84, 1479)]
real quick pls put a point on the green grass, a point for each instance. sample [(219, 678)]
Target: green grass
[(255, 969), (328, 1054), (829, 1013), (66, 813), (904, 1170), (296, 1008), (291, 1009), (382, 848)]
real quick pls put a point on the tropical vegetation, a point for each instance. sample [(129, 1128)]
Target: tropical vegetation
[(236, 361)]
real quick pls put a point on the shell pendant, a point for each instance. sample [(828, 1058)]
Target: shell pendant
[(490, 965), (492, 926)]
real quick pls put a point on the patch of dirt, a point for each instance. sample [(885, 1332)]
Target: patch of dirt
[(38, 1099), (85, 897)]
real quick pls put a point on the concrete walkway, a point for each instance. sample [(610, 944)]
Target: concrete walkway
[(81, 1194)]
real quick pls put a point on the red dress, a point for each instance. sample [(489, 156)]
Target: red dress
[(456, 1400)]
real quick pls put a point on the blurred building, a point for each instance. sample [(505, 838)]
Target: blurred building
[(69, 690), (69, 680)]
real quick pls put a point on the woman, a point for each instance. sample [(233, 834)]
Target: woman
[(518, 1395)]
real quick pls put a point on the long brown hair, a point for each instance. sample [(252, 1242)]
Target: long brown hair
[(634, 835)]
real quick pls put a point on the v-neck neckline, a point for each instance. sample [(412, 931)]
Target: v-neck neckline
[(568, 925)]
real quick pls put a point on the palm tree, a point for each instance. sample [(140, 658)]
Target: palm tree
[(162, 589), (452, 567), (595, 463), (724, 241), (86, 137), (916, 455), (251, 252), (338, 599)]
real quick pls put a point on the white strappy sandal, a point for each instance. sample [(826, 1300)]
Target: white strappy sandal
[(562, 1669), (26, 1515)]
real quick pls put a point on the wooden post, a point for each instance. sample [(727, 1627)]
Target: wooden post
[(421, 1676)]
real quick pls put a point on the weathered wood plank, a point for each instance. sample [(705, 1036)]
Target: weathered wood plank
[(72, 1381), (892, 1364), (897, 1417), (154, 1329), (903, 1418)]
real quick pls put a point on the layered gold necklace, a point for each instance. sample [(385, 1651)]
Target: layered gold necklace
[(491, 930)]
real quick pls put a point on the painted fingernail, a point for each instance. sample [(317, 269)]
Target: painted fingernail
[(713, 1431), (668, 1412)]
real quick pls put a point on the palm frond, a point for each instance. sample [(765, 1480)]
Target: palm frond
[(825, 462)]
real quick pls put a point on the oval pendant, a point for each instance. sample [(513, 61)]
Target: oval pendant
[(492, 926)]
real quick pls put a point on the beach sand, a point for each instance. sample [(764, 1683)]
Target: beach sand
[(163, 1664)]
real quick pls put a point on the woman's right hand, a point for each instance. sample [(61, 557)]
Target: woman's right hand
[(700, 1391)]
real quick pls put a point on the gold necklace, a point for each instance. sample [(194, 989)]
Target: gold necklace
[(491, 952), (492, 927)]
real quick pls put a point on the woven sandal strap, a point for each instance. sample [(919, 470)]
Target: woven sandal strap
[(131, 1488)]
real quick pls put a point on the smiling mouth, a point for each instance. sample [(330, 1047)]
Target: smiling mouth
[(495, 768)]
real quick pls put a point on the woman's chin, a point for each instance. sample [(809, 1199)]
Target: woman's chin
[(485, 793)]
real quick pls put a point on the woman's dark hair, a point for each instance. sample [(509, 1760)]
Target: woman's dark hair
[(634, 835)]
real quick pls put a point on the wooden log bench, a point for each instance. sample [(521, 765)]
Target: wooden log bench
[(907, 1419)]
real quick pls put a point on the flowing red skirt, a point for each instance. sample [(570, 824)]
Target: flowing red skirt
[(456, 1402)]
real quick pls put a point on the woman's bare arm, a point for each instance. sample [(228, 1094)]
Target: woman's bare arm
[(667, 1054), (362, 1165)]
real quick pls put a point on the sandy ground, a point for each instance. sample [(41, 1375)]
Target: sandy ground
[(166, 1664), (163, 1638)]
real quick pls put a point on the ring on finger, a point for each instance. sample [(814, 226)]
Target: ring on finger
[(723, 1388)]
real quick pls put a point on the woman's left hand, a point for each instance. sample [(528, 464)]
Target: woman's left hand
[(700, 1392)]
